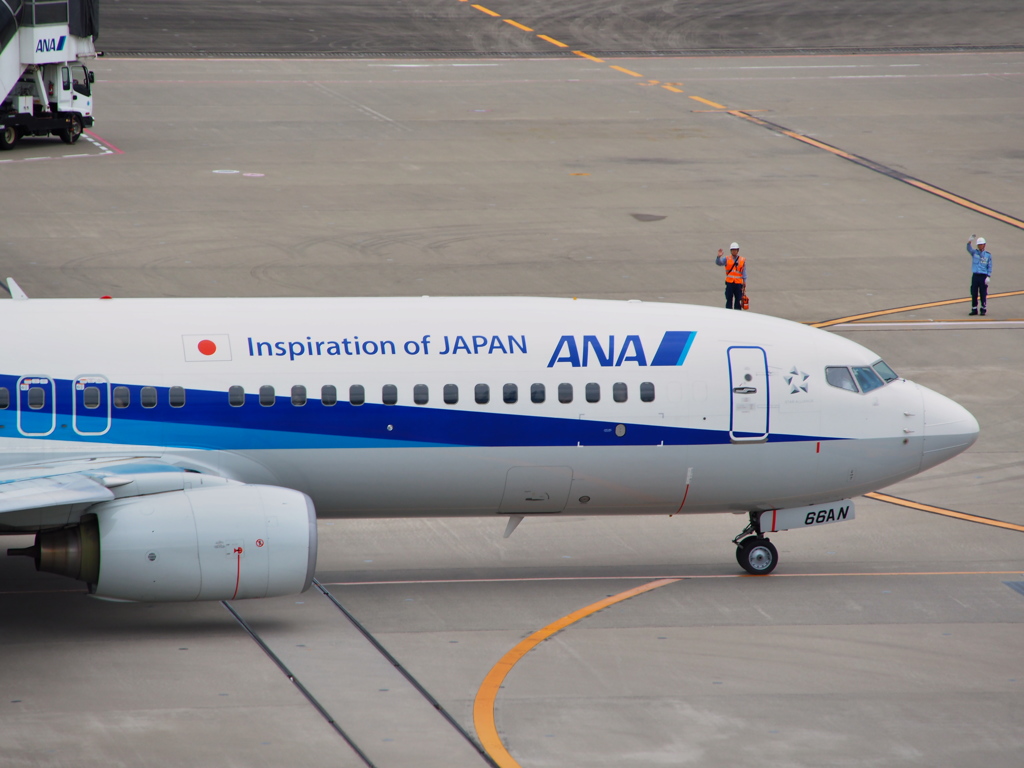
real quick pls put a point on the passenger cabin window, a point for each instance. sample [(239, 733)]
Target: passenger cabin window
[(176, 397), (451, 394), (122, 397), (620, 392), (840, 376), (5, 398), (356, 394), (329, 394), (91, 397), (267, 396), (510, 393), (148, 397), (421, 394), (866, 378), (593, 392), (298, 395), (36, 398), (537, 393), (647, 391), (482, 394), (389, 394), (565, 393), (236, 396)]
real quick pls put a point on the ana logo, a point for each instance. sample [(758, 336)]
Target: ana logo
[(210, 346), (48, 45), (673, 349)]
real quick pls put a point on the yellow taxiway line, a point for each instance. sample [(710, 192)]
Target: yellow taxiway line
[(483, 706), (911, 308), (946, 512)]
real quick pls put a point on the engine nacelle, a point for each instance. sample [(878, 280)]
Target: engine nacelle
[(220, 543)]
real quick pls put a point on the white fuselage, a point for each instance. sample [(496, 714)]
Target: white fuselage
[(672, 408)]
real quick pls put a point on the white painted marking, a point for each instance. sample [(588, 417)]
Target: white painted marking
[(362, 107), (425, 66), (812, 66)]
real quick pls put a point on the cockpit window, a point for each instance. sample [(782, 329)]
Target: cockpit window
[(867, 379), (839, 376), (883, 370), (860, 378)]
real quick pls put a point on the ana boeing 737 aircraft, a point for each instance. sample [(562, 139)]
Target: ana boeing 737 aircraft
[(181, 449)]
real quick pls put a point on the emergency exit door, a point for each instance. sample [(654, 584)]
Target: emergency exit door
[(91, 405), (748, 382), (37, 406)]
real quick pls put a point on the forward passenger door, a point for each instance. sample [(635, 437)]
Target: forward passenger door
[(748, 384)]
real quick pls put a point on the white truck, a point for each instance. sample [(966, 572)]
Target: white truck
[(45, 84)]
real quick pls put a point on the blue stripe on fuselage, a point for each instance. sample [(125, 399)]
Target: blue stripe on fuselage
[(208, 422)]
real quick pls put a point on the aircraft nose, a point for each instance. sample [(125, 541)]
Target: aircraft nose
[(949, 428)]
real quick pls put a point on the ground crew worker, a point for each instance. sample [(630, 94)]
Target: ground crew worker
[(981, 273), (735, 276)]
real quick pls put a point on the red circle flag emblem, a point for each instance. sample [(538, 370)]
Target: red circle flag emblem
[(203, 347)]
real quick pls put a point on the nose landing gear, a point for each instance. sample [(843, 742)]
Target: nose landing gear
[(754, 552)]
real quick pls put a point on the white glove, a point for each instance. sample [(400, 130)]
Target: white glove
[(987, 280)]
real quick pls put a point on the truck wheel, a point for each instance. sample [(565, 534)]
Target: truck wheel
[(73, 132), (8, 137)]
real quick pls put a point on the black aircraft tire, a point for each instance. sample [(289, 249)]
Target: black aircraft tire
[(757, 556), (8, 137), (73, 132)]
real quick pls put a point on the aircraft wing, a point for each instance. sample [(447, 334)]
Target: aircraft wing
[(54, 491), (41, 495)]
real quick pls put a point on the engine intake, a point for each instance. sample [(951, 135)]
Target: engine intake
[(219, 543)]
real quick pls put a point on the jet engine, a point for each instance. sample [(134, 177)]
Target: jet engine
[(219, 543)]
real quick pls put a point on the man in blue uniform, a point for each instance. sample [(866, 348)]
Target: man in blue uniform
[(981, 269)]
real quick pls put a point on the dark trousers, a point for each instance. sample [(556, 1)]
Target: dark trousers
[(734, 295), (978, 287)]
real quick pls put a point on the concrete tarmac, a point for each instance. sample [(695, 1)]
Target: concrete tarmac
[(446, 27), (894, 640)]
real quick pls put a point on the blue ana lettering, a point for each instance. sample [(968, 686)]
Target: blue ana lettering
[(568, 351), (572, 353), (637, 357), (52, 44)]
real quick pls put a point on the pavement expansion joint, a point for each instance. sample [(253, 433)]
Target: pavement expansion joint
[(556, 54)]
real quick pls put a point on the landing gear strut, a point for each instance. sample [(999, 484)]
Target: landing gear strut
[(755, 553)]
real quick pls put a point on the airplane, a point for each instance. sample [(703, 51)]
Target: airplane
[(182, 449)]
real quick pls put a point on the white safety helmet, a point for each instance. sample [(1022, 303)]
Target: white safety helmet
[(736, 246), (980, 241)]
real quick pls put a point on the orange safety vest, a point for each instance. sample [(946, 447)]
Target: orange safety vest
[(734, 269)]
